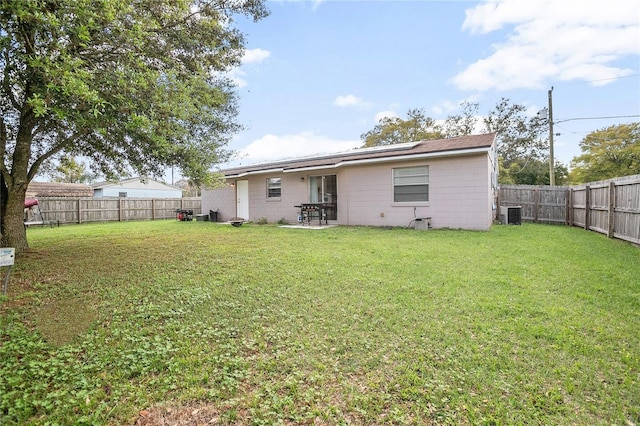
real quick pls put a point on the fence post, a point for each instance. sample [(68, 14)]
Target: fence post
[(536, 204), (569, 207), (587, 206), (612, 208), (153, 209), (79, 211), (119, 209)]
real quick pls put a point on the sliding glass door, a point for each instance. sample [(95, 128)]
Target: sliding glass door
[(324, 189)]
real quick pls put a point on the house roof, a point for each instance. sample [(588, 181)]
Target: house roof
[(133, 182), (424, 149), (55, 189)]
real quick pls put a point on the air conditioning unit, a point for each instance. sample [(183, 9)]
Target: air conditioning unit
[(511, 215), (422, 223)]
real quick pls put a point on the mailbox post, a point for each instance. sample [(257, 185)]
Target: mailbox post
[(7, 257)]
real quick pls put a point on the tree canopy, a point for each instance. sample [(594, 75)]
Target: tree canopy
[(394, 130), (129, 84), (607, 153), (532, 171), (70, 170)]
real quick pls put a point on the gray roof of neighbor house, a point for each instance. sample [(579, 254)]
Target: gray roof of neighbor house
[(55, 189), (423, 149)]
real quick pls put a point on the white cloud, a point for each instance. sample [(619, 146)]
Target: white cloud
[(275, 147), (552, 40), (386, 114), (255, 56), (238, 77), (251, 56), (315, 4), (445, 107), (348, 100)]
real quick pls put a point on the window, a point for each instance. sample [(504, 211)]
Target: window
[(274, 187), (411, 184), (122, 194)]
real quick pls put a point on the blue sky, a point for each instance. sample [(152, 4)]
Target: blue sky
[(318, 74)]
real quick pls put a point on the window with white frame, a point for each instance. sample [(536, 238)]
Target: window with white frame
[(274, 187), (411, 184)]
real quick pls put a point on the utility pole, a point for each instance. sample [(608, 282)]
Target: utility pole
[(552, 176)]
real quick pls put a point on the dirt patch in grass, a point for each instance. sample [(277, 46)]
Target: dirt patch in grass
[(186, 415), (61, 321)]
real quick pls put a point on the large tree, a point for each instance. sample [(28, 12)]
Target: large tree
[(394, 130), (519, 137), (70, 170), (464, 123), (607, 153), (133, 85), (532, 171)]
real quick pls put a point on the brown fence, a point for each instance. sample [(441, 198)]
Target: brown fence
[(611, 207), (67, 210)]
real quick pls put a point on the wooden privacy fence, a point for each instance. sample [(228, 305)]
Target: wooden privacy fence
[(611, 207), (66, 210)]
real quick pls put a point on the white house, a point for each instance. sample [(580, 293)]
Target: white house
[(449, 183), (136, 188)]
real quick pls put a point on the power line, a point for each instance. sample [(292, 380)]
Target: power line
[(595, 118), (602, 79)]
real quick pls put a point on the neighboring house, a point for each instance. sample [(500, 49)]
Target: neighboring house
[(453, 182), (136, 188), (55, 189)]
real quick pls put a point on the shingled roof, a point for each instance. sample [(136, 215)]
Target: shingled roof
[(55, 189), (432, 148)]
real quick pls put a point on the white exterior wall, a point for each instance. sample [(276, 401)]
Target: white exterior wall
[(137, 189), (222, 200), (138, 193), (294, 191), (460, 194)]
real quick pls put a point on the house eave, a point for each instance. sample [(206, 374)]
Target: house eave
[(255, 172), (426, 155)]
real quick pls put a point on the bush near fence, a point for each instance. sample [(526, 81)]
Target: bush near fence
[(611, 207), (68, 210)]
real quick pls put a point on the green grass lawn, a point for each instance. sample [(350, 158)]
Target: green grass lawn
[(125, 322)]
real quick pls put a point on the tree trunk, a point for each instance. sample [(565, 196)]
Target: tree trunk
[(14, 233)]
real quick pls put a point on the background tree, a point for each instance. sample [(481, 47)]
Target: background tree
[(393, 130), (607, 153), (531, 171), (462, 124), (131, 85), (70, 170), (519, 137), (193, 188)]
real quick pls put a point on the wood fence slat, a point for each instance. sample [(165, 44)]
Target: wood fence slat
[(69, 210), (611, 207)]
